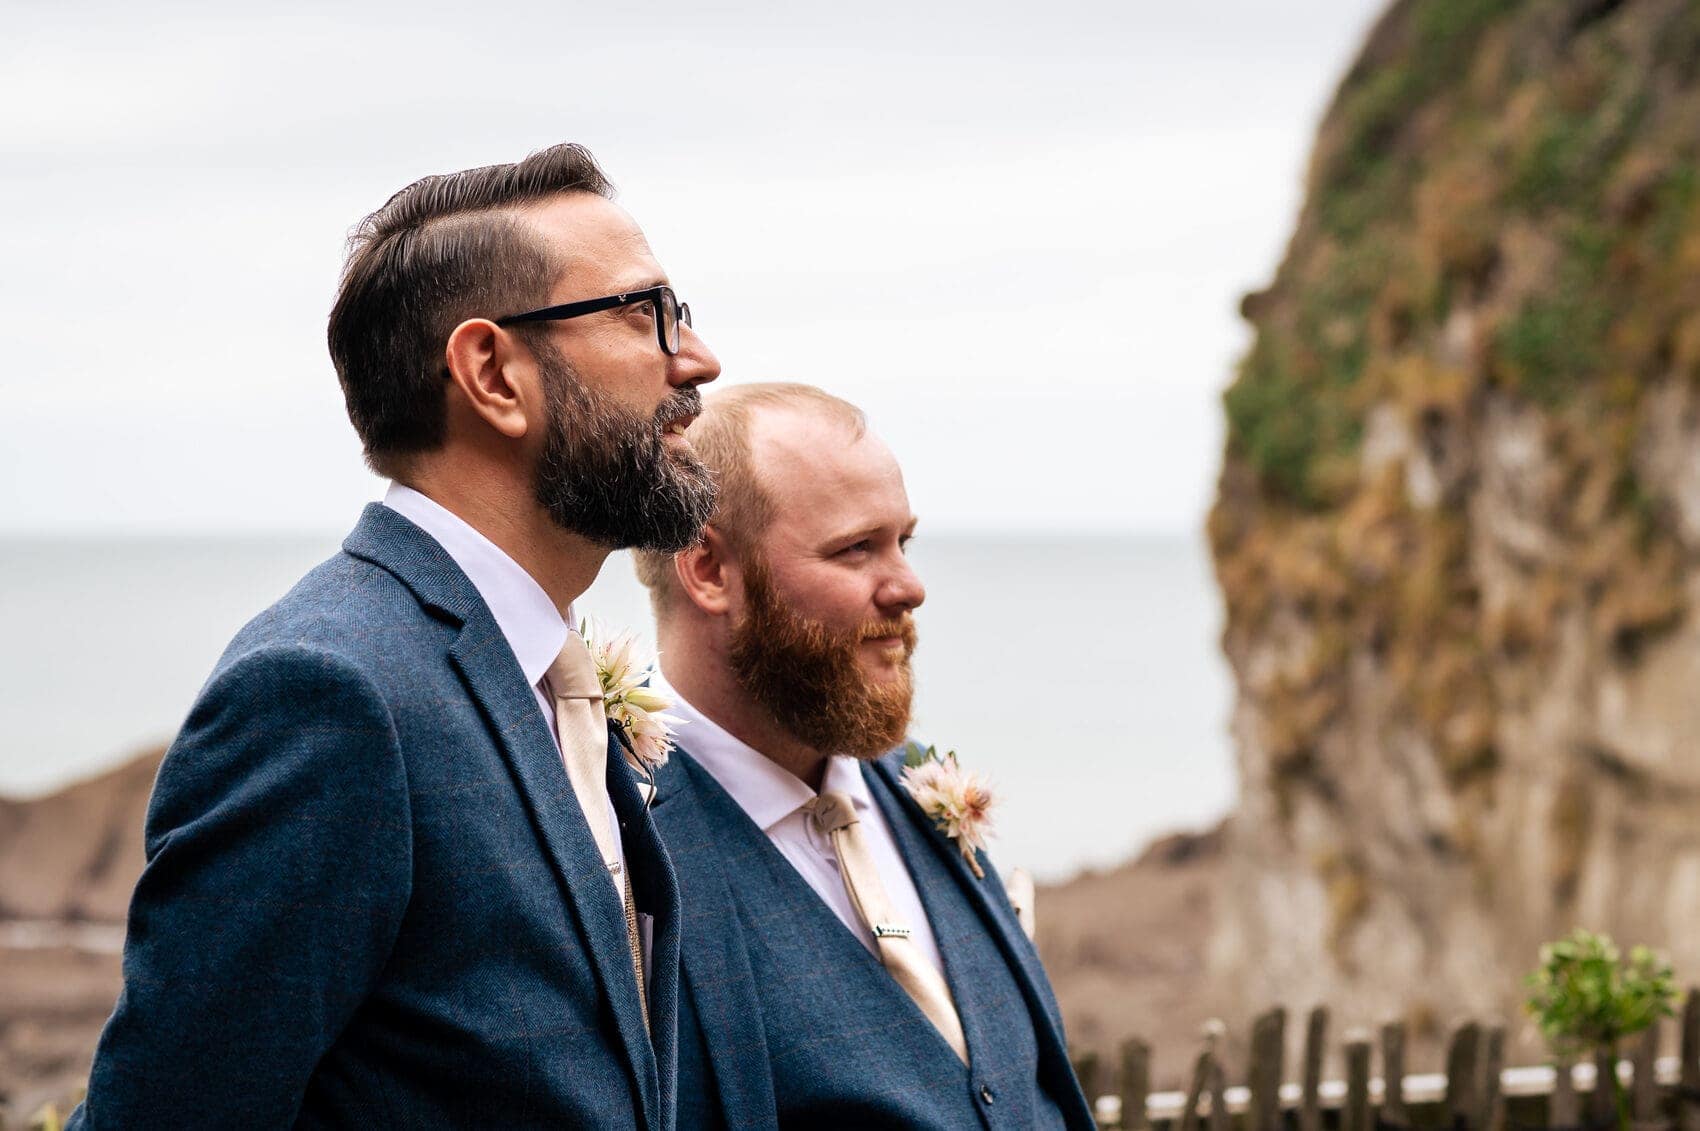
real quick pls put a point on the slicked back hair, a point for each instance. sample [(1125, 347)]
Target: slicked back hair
[(721, 439), (444, 249)]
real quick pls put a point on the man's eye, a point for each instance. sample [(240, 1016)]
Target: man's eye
[(861, 547), (643, 309)]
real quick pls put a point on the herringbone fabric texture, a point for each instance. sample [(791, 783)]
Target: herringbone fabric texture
[(785, 1018), (370, 900)]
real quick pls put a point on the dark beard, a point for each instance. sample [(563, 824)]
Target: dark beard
[(605, 472), (807, 676)]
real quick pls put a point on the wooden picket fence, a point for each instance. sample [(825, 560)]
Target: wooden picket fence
[(1475, 1093)]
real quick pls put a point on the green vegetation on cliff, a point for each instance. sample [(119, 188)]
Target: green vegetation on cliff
[(1467, 124), (1499, 254)]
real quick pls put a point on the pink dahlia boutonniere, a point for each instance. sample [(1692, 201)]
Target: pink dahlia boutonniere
[(624, 669), (958, 802)]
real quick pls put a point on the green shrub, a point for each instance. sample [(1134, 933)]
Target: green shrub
[(1587, 999), (1570, 154), (1361, 180), (1288, 430), (1555, 343), (1673, 204)]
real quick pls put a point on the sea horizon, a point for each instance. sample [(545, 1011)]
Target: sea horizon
[(1079, 671)]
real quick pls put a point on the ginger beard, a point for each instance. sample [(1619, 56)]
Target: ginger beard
[(606, 473), (809, 677)]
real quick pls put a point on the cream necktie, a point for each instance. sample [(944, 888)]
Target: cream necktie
[(835, 814), (583, 730)]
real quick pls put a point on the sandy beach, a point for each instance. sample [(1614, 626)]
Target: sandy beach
[(53, 1001)]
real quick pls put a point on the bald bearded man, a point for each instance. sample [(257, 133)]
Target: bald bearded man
[(844, 963)]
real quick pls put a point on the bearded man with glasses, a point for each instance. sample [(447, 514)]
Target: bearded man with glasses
[(399, 871)]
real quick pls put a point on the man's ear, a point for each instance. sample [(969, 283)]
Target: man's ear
[(705, 573), (484, 362)]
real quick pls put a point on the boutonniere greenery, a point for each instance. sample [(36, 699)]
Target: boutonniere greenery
[(958, 802), (624, 671)]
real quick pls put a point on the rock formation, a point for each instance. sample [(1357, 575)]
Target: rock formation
[(1458, 524), (74, 856)]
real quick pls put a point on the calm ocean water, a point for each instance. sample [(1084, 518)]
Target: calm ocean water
[(1081, 674)]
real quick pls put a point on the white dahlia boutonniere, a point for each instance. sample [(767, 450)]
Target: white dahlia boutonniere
[(958, 802), (624, 669)]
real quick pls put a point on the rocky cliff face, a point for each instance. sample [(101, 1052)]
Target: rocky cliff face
[(1458, 527), (74, 856)]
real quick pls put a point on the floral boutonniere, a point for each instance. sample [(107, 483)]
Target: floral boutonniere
[(958, 802), (624, 669)]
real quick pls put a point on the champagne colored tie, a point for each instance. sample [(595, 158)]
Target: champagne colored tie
[(835, 814), (582, 727)]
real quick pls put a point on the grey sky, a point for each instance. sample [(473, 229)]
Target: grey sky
[(1015, 233)]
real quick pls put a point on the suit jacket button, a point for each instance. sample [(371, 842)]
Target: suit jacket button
[(986, 1093)]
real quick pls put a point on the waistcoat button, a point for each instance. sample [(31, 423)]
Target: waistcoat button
[(986, 1093)]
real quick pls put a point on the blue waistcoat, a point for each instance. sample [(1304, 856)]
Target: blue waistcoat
[(786, 1019), (371, 898)]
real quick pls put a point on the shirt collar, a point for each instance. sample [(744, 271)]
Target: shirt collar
[(764, 791), (527, 617)]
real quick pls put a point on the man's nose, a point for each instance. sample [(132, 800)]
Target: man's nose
[(902, 591), (695, 363)]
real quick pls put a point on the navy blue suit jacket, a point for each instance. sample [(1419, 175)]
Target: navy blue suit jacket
[(785, 1017), (371, 898)]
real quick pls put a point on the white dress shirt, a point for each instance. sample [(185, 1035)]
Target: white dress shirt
[(774, 799), (533, 627)]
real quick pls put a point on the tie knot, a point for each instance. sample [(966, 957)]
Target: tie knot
[(573, 674), (832, 810)]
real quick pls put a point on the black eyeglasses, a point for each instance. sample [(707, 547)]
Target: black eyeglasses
[(669, 312)]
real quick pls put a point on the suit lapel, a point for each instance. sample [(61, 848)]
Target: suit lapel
[(695, 817), (492, 675), (986, 896), (486, 665), (655, 886)]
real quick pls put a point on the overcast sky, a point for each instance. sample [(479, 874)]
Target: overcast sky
[(1015, 233)]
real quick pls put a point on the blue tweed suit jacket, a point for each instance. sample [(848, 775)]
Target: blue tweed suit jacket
[(371, 898), (786, 1020)]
